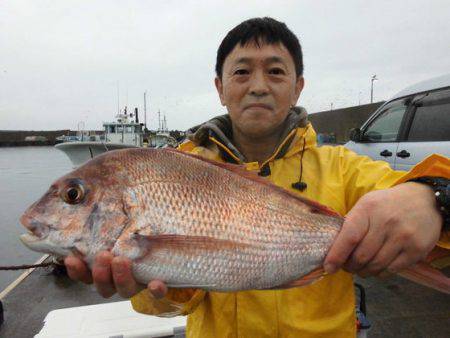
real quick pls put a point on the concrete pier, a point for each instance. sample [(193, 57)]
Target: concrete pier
[(396, 307)]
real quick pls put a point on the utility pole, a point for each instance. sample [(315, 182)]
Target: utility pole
[(374, 78)]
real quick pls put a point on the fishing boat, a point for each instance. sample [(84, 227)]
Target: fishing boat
[(125, 132), (161, 138)]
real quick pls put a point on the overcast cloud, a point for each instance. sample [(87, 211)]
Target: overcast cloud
[(60, 61)]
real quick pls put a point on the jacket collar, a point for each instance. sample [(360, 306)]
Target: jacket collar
[(298, 134)]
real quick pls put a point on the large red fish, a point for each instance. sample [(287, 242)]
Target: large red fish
[(187, 221)]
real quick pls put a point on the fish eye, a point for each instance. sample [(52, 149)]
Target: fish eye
[(73, 194)]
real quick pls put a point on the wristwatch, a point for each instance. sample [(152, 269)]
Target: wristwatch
[(441, 188)]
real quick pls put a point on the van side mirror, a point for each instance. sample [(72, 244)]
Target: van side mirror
[(355, 134)]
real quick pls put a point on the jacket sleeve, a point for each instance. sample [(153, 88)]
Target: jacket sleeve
[(362, 175)]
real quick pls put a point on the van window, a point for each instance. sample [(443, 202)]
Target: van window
[(432, 118), (386, 125)]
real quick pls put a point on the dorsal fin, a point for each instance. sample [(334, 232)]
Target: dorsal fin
[(236, 168), (243, 172)]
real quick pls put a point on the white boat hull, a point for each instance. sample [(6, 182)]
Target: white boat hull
[(81, 152)]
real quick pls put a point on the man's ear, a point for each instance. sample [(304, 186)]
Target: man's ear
[(300, 83), (219, 87)]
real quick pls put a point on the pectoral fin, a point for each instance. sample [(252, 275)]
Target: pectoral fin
[(187, 244)]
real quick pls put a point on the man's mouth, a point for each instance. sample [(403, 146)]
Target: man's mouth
[(258, 105)]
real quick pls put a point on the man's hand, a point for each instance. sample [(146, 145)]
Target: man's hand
[(110, 275), (387, 230)]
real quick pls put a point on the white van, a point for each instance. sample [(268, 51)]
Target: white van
[(410, 126)]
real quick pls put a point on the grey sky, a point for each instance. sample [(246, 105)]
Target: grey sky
[(60, 61)]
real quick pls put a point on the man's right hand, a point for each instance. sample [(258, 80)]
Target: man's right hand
[(110, 275)]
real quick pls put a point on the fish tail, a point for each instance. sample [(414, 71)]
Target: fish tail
[(424, 274)]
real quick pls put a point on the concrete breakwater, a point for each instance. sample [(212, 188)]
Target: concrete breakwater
[(18, 138)]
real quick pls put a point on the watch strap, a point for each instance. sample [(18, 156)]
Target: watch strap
[(441, 189)]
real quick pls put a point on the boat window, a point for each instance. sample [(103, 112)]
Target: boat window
[(112, 129), (129, 129), (119, 129)]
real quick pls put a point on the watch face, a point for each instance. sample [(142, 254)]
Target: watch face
[(443, 193)]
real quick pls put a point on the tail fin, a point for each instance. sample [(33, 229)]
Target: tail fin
[(424, 274)]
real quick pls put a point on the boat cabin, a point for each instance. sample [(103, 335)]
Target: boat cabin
[(124, 131)]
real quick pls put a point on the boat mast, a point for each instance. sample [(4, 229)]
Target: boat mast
[(159, 120), (118, 103), (145, 110)]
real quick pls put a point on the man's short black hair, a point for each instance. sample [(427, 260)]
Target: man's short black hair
[(260, 30)]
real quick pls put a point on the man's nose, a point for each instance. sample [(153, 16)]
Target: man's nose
[(258, 84)]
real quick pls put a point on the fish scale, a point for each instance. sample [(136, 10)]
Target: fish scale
[(153, 211), (248, 262), (235, 230), (187, 221)]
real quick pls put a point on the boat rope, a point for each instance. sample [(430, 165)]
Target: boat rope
[(27, 266)]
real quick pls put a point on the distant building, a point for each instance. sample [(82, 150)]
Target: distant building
[(35, 138)]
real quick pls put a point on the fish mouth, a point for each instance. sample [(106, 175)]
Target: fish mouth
[(44, 245), (29, 239), (38, 229), (33, 242)]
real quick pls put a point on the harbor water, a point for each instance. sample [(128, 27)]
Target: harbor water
[(25, 174)]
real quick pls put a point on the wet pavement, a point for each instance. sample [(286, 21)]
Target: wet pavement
[(395, 307)]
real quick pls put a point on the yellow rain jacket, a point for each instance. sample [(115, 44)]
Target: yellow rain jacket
[(335, 177)]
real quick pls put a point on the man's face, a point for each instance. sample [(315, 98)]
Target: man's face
[(258, 86)]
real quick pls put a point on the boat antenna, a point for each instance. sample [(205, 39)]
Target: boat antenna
[(118, 96), (145, 110), (159, 120)]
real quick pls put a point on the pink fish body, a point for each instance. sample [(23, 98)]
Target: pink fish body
[(185, 220)]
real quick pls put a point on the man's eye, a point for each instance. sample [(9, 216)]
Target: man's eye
[(276, 71), (241, 72)]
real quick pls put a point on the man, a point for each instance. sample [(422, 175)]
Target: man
[(259, 80)]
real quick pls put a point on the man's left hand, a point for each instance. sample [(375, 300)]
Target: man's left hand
[(388, 229)]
